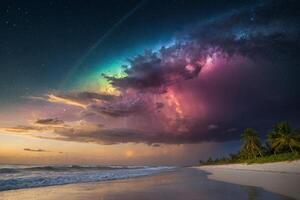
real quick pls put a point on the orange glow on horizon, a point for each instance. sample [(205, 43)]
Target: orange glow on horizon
[(129, 153)]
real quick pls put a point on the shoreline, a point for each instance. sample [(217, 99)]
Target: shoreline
[(277, 177), (184, 183)]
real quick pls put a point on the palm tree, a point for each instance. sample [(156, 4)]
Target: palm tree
[(251, 145), (282, 137)]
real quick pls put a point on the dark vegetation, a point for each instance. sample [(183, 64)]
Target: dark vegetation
[(283, 144)]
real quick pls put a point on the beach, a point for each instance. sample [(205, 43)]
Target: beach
[(183, 183), (280, 177)]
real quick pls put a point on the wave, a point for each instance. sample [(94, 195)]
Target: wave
[(40, 176), (8, 171), (76, 167), (16, 169)]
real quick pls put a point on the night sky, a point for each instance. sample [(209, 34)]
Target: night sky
[(41, 41), (139, 81)]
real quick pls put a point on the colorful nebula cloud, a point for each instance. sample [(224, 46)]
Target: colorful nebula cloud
[(215, 79)]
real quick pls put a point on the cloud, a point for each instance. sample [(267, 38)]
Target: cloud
[(108, 136), (86, 97), (155, 71), (227, 71), (39, 126), (239, 70), (120, 107), (155, 145), (21, 129), (261, 31), (212, 126), (98, 103), (40, 151), (36, 150), (58, 99), (78, 99), (49, 121), (159, 105)]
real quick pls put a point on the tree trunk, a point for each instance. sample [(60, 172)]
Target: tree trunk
[(291, 148), (260, 153)]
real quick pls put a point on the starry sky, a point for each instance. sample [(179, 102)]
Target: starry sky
[(143, 82)]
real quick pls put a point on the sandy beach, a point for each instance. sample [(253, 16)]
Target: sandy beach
[(281, 177), (183, 184)]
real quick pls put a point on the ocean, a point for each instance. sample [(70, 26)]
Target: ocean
[(29, 176)]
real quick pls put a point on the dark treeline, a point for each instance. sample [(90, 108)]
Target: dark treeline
[(283, 143)]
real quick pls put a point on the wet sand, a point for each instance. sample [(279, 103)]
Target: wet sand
[(183, 184), (282, 177)]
